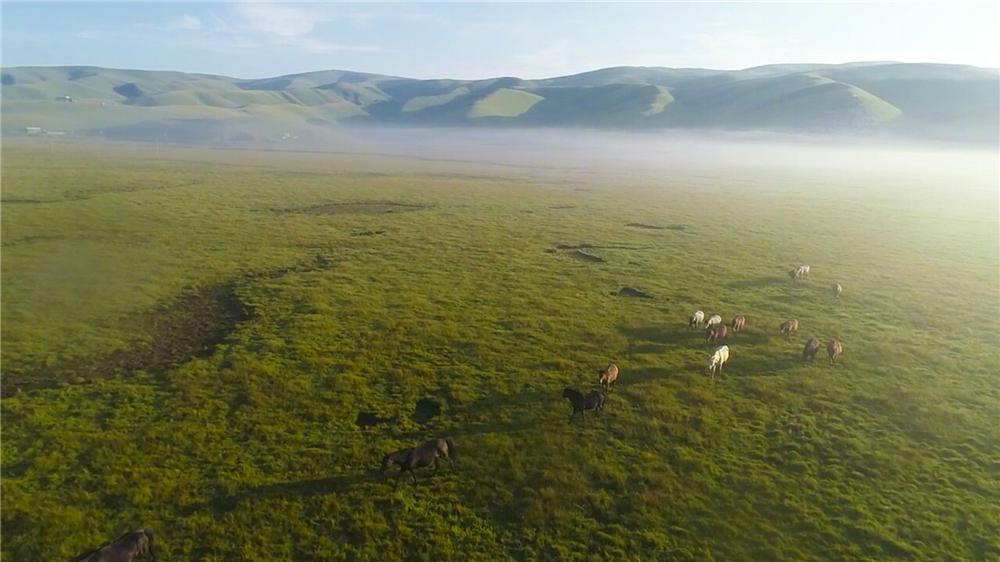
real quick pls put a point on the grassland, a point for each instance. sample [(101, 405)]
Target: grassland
[(189, 337)]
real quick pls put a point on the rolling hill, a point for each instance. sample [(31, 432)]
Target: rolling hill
[(926, 101)]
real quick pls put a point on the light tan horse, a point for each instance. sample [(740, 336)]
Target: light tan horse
[(834, 349), (788, 327), (608, 376)]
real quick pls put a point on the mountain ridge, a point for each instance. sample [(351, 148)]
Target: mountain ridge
[(920, 100)]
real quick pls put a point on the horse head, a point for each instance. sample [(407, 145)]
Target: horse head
[(387, 463)]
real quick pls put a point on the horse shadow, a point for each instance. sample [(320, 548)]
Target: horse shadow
[(661, 334), (764, 366), (300, 488)]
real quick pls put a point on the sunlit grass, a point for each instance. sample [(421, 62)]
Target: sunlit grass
[(251, 452)]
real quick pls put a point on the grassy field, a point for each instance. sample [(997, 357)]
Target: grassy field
[(189, 337)]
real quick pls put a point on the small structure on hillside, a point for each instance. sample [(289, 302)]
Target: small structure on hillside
[(67, 99)]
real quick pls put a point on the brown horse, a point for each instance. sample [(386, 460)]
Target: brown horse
[(834, 349), (417, 457), (809, 352), (608, 376), (126, 548), (739, 323), (718, 332), (789, 326)]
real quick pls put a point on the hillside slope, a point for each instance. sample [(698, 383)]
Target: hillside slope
[(928, 101)]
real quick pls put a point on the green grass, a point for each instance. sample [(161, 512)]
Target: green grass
[(250, 451), (504, 103)]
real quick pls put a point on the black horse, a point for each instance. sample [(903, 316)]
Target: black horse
[(126, 548), (424, 455), (593, 401)]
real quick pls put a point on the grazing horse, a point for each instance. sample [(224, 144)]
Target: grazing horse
[(717, 359), (809, 352), (579, 402), (789, 326), (715, 319), (126, 548), (837, 289), (718, 332), (417, 457), (739, 323), (608, 376), (834, 349), (696, 319), (800, 272)]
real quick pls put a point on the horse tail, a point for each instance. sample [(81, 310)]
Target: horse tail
[(451, 447)]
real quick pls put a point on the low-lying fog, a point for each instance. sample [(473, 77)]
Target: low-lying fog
[(829, 162)]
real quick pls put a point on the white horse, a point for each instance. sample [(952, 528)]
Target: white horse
[(837, 289), (718, 359), (715, 319), (696, 319)]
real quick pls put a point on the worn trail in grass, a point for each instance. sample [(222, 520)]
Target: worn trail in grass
[(189, 338)]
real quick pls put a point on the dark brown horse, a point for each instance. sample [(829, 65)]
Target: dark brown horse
[(126, 548), (739, 323), (809, 352), (417, 457), (579, 402), (718, 332), (834, 349)]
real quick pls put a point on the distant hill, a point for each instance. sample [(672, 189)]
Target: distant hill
[(925, 101)]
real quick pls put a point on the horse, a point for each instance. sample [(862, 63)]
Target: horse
[(837, 289), (718, 359), (608, 376), (800, 272), (809, 352), (739, 323), (834, 349), (696, 319), (715, 319), (718, 332), (592, 401), (126, 548), (417, 457), (788, 326)]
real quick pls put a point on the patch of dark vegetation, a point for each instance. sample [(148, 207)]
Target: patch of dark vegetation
[(80, 73), (368, 233), (6, 79), (676, 227), (586, 246), (180, 330), (129, 90), (426, 410), (584, 256), (632, 292), (563, 207), (371, 419), (30, 239), (357, 208), (22, 201)]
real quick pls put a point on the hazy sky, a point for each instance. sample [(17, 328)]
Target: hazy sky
[(478, 40)]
